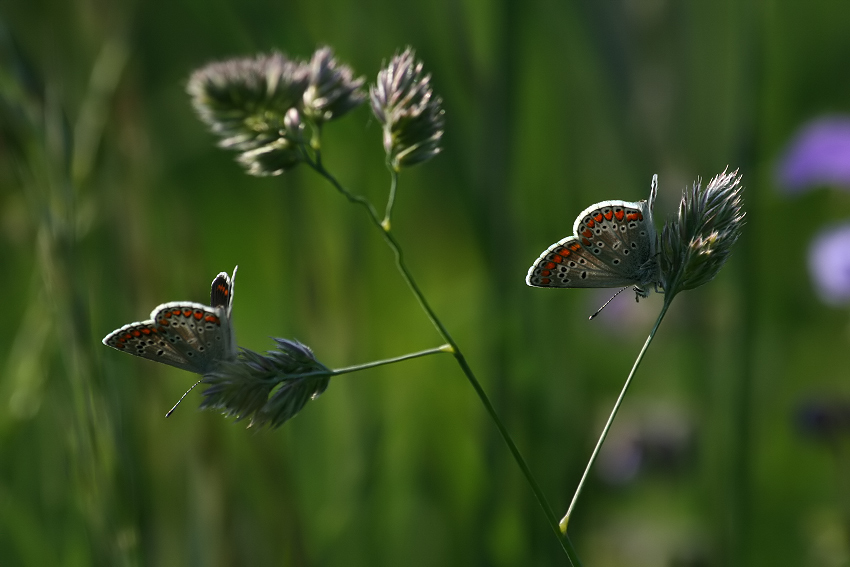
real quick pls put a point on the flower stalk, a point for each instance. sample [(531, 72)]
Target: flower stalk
[(454, 348), (566, 519)]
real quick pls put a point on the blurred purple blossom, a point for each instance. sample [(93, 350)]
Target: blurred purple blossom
[(819, 154), (829, 264)]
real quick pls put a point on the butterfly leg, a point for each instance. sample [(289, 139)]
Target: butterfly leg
[(640, 292)]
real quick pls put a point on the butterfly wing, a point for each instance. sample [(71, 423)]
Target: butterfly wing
[(146, 340), (221, 290), (221, 295), (613, 245), (568, 263), (189, 336)]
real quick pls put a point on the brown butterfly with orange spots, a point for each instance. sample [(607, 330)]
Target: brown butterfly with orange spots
[(190, 336), (613, 245)]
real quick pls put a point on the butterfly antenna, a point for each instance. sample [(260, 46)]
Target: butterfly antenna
[(598, 311), (187, 393)]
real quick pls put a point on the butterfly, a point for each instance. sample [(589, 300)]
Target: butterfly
[(190, 336), (613, 244)]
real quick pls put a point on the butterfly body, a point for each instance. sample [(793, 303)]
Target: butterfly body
[(190, 336), (613, 245)]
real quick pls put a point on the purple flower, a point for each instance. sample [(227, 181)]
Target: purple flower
[(829, 264), (818, 155)]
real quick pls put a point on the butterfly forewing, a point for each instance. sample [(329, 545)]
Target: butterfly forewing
[(618, 233), (146, 340)]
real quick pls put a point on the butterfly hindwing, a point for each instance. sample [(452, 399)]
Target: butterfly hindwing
[(569, 264)]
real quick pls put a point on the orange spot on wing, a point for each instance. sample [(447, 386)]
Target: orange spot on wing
[(585, 241), (564, 252), (545, 273), (575, 246), (187, 312), (631, 216), (557, 259), (545, 281), (550, 265), (598, 217), (198, 314), (620, 214), (135, 333), (211, 319), (146, 331), (175, 312), (609, 215), (590, 223), (118, 345), (587, 233)]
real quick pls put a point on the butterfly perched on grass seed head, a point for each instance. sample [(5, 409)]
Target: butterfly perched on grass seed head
[(190, 336), (613, 245)]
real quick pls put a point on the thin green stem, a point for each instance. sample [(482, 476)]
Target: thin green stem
[(394, 246), (376, 363), (387, 222), (566, 519), (385, 228), (357, 367)]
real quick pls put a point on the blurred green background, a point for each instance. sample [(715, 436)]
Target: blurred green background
[(114, 199)]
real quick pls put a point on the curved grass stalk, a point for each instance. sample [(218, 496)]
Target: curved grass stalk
[(386, 230), (374, 364), (565, 520)]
